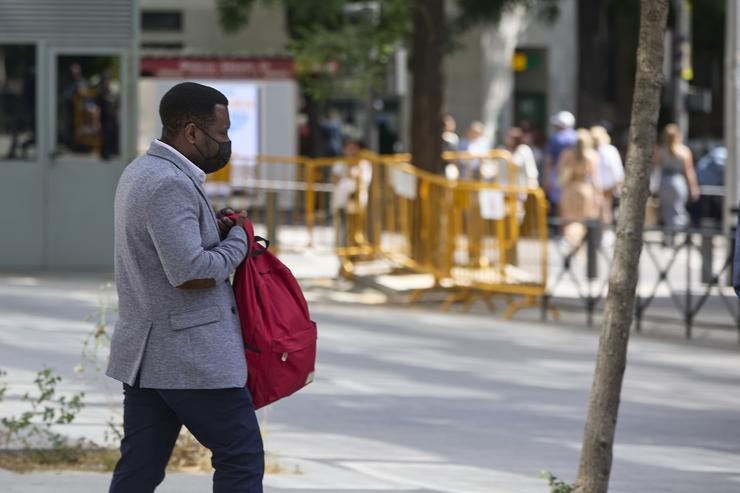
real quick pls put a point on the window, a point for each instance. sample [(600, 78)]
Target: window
[(17, 102), (88, 106), (161, 20)]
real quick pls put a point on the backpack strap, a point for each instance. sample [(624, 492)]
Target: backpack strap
[(249, 228), (256, 252), (252, 240)]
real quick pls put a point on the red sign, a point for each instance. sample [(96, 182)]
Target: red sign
[(217, 68)]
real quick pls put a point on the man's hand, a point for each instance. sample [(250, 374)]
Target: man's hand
[(224, 223), (224, 212), (240, 220)]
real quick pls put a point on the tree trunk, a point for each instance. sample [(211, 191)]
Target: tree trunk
[(598, 439), (428, 84), (499, 43)]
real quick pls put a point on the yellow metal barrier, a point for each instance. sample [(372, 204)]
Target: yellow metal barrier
[(475, 237), (478, 238)]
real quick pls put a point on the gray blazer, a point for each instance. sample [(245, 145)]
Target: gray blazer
[(166, 234)]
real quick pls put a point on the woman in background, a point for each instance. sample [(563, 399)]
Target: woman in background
[(678, 182), (581, 187), (611, 170)]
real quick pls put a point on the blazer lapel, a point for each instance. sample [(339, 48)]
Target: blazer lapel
[(166, 154)]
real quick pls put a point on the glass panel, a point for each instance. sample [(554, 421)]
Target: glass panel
[(88, 106), (17, 102), (161, 20)]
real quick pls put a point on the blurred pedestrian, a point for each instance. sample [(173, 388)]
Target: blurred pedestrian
[(534, 139), (611, 174), (450, 139), (351, 179), (331, 133), (581, 189), (563, 138), (523, 158), (108, 101), (677, 184), (475, 142)]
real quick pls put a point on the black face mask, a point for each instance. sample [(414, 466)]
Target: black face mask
[(214, 163)]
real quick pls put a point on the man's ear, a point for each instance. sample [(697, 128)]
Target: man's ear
[(189, 132)]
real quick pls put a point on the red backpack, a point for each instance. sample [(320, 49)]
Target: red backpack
[(279, 335)]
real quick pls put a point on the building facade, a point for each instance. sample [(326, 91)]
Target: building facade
[(68, 74)]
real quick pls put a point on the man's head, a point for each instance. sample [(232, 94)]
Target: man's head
[(449, 123), (351, 146), (563, 120), (514, 138), (195, 121), (475, 130)]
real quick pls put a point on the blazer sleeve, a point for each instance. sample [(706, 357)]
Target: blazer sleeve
[(172, 222)]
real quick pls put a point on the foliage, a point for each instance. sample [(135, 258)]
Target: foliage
[(557, 485), (350, 55), (46, 410), (346, 46), (97, 341)]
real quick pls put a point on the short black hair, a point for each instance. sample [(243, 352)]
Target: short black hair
[(188, 102)]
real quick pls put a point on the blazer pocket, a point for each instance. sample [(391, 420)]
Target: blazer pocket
[(186, 320)]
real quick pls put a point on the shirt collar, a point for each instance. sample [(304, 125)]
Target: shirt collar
[(197, 172)]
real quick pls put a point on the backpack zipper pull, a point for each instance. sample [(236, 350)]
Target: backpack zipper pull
[(284, 357)]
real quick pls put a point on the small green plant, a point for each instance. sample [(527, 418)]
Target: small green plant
[(46, 410), (113, 431), (97, 343), (557, 485), (3, 385), (95, 349)]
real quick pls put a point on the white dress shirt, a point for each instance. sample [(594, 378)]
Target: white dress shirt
[(199, 173)]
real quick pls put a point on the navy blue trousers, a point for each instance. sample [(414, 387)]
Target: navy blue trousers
[(223, 420)]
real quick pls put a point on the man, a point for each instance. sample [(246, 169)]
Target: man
[(563, 138), (177, 346)]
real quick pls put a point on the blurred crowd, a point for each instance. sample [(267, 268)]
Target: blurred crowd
[(580, 170), (582, 173)]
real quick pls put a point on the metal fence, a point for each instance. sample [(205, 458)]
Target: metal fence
[(476, 238), (684, 279)]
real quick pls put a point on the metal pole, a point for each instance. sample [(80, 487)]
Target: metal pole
[(271, 215), (688, 308), (732, 111), (707, 257), (681, 63), (593, 228)]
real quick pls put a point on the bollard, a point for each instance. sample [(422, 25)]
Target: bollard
[(707, 257), (593, 241), (593, 238), (731, 256), (688, 304)]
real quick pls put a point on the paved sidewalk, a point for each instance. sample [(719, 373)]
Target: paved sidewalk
[(415, 400)]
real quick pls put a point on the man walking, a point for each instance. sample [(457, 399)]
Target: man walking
[(177, 346)]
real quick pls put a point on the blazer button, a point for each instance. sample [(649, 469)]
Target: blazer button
[(233, 310)]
